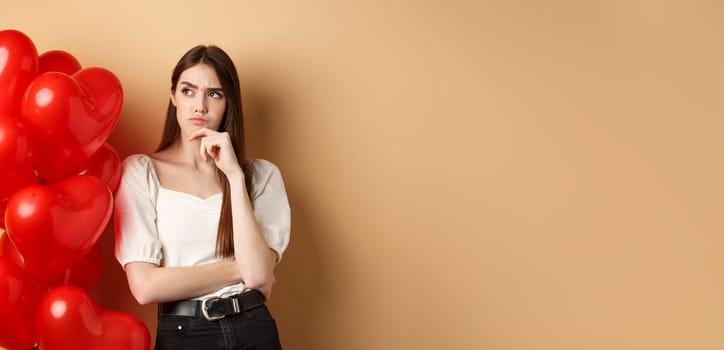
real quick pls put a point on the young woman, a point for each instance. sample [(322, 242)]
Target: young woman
[(199, 229)]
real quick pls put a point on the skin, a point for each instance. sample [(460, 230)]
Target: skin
[(190, 166)]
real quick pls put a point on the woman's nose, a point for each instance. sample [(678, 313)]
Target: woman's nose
[(200, 105)]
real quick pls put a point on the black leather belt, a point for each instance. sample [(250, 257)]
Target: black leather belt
[(213, 308)]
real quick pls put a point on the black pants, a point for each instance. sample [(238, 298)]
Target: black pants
[(254, 329)]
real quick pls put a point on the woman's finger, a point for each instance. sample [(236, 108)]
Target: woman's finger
[(202, 149), (218, 146), (203, 132), (212, 146)]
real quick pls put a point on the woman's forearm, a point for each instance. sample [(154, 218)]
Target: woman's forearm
[(153, 284), (253, 255)]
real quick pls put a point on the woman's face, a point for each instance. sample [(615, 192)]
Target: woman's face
[(199, 99)]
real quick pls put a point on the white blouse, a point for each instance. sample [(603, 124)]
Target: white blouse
[(170, 228)]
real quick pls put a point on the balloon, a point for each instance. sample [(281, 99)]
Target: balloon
[(69, 319), (18, 67), (19, 298), (105, 164), (58, 61), (71, 117), (54, 226), (83, 274), (16, 163), (9, 251)]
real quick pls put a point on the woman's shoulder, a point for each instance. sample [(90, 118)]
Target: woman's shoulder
[(263, 166), (137, 161), (139, 169), (263, 172), (139, 165)]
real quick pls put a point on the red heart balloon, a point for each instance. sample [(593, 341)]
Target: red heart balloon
[(71, 117), (16, 163), (58, 61), (19, 297), (83, 274), (10, 252), (54, 226), (69, 319), (105, 164), (18, 67)]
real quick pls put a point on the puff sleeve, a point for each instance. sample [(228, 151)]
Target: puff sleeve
[(271, 206), (136, 236)]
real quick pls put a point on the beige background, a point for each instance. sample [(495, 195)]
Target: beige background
[(463, 174)]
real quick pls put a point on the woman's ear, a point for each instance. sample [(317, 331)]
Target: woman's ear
[(173, 98)]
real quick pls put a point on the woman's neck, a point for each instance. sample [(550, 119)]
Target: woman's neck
[(186, 152)]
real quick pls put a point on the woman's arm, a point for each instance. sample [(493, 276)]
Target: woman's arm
[(150, 283), (253, 255)]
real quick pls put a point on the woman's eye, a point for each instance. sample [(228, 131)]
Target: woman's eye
[(215, 94), (187, 91)]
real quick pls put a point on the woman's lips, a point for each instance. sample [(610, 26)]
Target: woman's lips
[(199, 121)]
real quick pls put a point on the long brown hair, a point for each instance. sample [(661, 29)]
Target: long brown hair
[(232, 123)]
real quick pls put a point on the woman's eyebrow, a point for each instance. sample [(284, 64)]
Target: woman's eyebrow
[(188, 84), (193, 86)]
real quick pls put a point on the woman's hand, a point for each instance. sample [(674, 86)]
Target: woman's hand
[(218, 145)]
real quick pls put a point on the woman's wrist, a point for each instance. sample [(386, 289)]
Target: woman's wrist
[(235, 174), (237, 178)]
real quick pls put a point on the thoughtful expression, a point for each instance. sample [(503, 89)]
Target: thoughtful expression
[(199, 99)]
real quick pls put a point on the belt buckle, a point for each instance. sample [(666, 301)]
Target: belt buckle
[(205, 310)]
